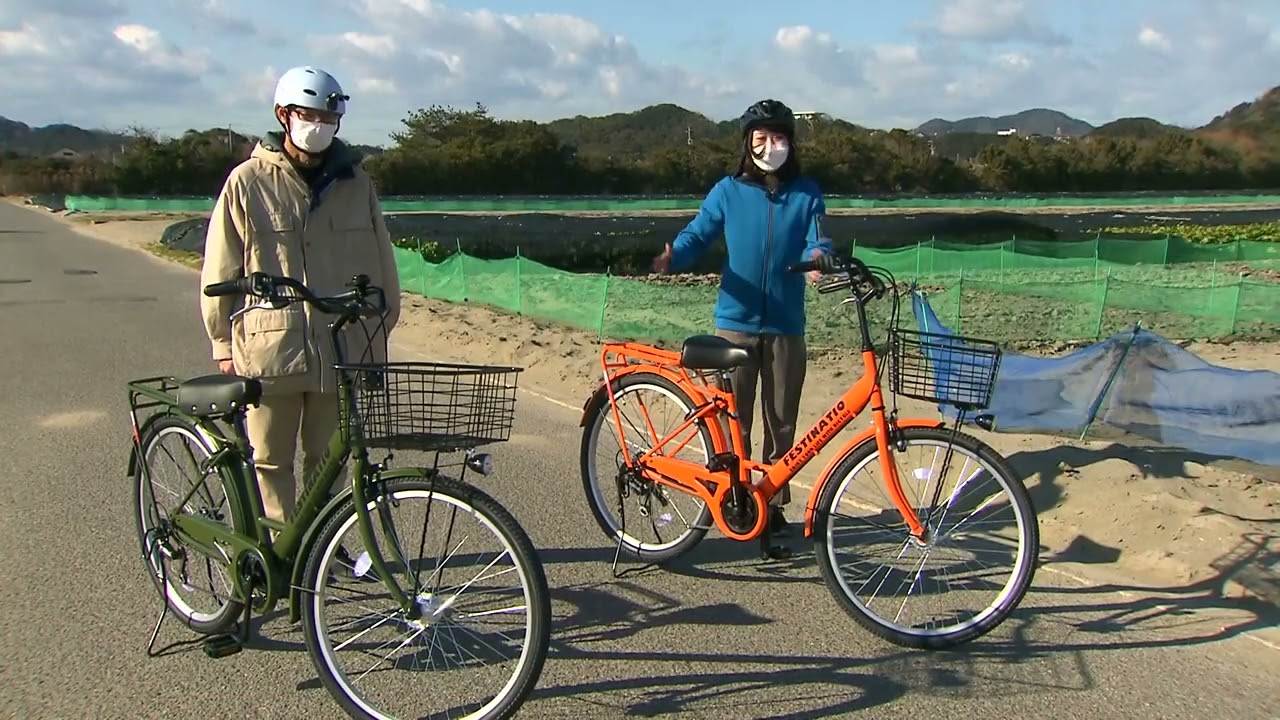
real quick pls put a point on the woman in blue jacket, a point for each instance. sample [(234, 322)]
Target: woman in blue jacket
[(770, 217)]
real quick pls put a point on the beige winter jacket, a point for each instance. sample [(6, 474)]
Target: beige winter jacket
[(265, 220)]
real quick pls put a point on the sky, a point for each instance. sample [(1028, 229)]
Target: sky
[(172, 65)]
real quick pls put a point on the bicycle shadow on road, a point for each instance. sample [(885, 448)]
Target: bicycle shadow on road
[(617, 643), (1047, 646)]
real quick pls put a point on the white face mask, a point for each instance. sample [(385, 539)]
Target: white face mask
[(770, 157), (312, 137)]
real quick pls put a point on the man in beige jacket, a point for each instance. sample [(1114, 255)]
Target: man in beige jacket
[(302, 207)]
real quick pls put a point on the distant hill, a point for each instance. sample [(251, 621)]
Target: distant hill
[(18, 138), (1037, 121), (1251, 126), (1134, 127), (22, 139), (628, 135), (631, 134)]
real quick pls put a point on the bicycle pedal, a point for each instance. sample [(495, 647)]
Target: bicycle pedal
[(220, 646)]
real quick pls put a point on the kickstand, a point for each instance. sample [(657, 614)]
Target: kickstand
[(215, 646), (622, 515), (152, 543)]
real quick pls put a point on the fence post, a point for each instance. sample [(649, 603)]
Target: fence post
[(1014, 243), (1097, 240), (1235, 311), (462, 269), (422, 262), (1213, 289), (604, 303), (960, 301), (1102, 306), (519, 286)]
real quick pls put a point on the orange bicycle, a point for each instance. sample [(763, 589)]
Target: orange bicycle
[(916, 524)]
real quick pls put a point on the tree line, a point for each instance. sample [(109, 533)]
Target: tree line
[(448, 151)]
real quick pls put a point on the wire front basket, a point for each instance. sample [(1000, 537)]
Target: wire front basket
[(425, 406), (946, 369)]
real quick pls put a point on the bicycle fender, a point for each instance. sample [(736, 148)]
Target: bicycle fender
[(867, 435), (134, 439), (310, 536), (600, 396), (212, 441)]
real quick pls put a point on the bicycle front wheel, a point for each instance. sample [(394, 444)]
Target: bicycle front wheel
[(879, 573), (485, 610)]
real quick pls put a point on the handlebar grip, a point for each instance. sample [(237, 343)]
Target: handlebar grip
[(837, 264), (239, 286)]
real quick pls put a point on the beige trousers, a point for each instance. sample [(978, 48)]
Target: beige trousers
[(273, 429)]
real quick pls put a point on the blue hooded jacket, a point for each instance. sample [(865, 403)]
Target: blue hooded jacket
[(764, 233)]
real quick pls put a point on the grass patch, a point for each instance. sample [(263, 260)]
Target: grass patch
[(1205, 234), (192, 260)]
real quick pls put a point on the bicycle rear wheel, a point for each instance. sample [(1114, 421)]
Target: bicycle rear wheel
[(651, 407), (172, 468), (494, 606), (867, 524)]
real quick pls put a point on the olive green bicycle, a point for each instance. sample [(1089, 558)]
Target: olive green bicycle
[(342, 563)]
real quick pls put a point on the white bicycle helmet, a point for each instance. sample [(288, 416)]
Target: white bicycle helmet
[(312, 88)]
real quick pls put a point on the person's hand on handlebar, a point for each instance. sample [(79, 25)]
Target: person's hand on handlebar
[(824, 262)]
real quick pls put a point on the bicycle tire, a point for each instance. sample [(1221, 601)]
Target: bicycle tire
[(154, 429), (539, 599), (1027, 553), (600, 415)]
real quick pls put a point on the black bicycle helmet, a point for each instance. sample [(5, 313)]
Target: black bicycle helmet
[(770, 113)]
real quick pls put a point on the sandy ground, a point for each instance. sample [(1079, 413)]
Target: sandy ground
[(1154, 518)]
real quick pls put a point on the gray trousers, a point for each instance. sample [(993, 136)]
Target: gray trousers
[(780, 362)]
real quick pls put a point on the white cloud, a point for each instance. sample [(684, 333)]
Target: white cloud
[(991, 21), (376, 86), (378, 46), (540, 65), (991, 57), (1153, 38), (72, 58), (27, 42), (175, 64)]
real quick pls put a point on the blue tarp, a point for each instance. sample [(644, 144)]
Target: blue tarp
[(1137, 382)]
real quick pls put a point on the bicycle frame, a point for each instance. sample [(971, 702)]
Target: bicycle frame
[(232, 458), (728, 467), (711, 403)]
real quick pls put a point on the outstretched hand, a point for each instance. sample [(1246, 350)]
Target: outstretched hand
[(662, 263)]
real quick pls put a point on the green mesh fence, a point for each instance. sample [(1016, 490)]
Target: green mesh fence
[(90, 204), (1097, 255), (1041, 303)]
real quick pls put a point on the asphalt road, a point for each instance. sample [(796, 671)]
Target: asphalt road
[(717, 637)]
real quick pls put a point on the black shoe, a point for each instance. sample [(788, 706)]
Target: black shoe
[(775, 552), (778, 525)]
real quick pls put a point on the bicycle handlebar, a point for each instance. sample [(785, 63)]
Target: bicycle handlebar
[(857, 275), (240, 286), (348, 305)]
